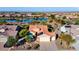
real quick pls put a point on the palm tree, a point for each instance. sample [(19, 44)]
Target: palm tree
[(50, 28), (23, 32), (52, 16), (64, 17), (67, 38)]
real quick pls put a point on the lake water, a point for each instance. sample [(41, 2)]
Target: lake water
[(27, 20)]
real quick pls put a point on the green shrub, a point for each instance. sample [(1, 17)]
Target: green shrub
[(11, 41), (77, 22)]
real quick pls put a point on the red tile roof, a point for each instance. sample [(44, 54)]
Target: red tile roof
[(40, 28)]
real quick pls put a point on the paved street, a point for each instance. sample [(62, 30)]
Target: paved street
[(2, 48)]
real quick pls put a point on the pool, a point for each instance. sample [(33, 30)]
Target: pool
[(31, 36)]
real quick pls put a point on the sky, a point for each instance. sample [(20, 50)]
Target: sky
[(40, 9)]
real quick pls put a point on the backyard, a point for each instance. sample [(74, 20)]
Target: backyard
[(39, 32)]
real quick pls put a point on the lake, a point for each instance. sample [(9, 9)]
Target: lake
[(27, 20)]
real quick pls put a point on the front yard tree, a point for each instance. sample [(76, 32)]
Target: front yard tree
[(23, 32), (10, 42), (67, 38)]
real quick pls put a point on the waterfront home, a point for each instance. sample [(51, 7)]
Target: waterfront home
[(46, 38), (42, 30)]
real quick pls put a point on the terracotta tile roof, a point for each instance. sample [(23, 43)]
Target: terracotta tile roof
[(40, 28)]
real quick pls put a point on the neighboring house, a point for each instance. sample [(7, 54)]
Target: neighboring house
[(63, 29), (66, 29), (73, 30)]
